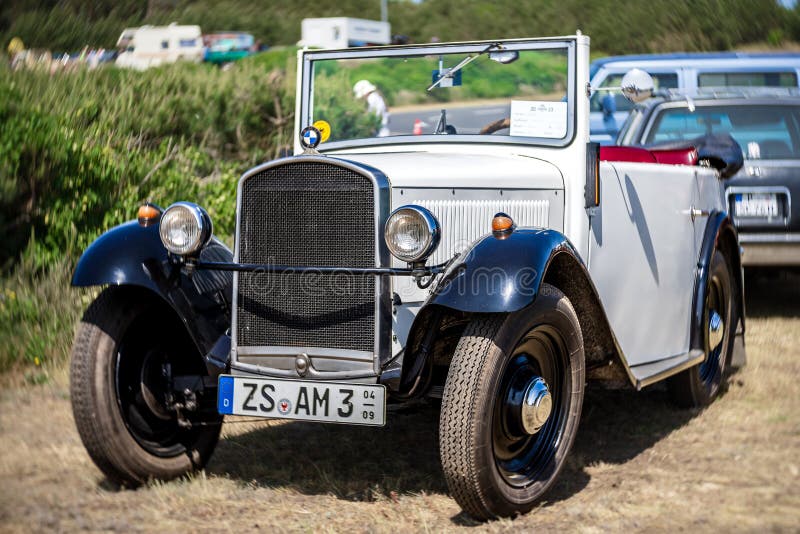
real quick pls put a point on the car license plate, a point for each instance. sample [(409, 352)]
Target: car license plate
[(309, 400), (757, 205)]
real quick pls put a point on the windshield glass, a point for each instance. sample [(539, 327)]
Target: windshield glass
[(763, 132), (493, 90)]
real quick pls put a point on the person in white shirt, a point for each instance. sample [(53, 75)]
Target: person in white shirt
[(375, 103)]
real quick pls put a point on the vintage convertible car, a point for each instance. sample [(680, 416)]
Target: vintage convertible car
[(483, 252)]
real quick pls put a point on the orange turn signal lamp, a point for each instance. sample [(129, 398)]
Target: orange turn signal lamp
[(148, 214), (502, 225)]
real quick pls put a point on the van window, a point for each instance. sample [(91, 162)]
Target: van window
[(758, 79), (164, 44), (662, 81), (187, 43), (763, 132)]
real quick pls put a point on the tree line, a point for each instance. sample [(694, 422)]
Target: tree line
[(615, 28)]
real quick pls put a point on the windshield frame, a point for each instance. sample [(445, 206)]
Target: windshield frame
[(305, 105)]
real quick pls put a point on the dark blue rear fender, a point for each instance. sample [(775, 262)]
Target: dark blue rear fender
[(131, 255), (720, 234), (500, 275)]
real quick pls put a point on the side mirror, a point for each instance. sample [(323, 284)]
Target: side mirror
[(637, 85), (504, 56)]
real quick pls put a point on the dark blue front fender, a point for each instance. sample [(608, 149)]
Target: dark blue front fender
[(132, 255), (493, 276), (501, 275)]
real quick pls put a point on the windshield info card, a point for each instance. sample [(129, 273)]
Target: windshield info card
[(531, 118)]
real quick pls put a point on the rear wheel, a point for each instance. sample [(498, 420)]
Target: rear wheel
[(126, 349), (699, 385), (511, 406)]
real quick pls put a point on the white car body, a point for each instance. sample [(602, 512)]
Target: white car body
[(533, 261)]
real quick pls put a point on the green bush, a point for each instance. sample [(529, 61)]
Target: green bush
[(38, 313), (334, 103), (80, 150)]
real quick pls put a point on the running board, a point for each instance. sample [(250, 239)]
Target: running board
[(650, 373)]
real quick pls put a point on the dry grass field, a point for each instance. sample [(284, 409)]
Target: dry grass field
[(638, 463)]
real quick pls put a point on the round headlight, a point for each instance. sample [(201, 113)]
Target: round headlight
[(412, 233), (184, 228)]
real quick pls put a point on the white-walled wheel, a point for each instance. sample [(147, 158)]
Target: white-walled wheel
[(700, 385), (511, 406), (117, 390)]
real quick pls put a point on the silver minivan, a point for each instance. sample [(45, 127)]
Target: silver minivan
[(685, 72)]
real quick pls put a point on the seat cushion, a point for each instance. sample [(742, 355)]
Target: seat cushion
[(681, 156), (626, 153)]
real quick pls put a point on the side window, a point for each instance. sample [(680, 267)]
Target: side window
[(164, 44), (756, 79), (666, 80), (187, 43)]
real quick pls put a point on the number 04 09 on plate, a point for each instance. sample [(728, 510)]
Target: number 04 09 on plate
[(308, 400)]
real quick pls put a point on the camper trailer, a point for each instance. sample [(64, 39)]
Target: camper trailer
[(344, 32), (151, 46)]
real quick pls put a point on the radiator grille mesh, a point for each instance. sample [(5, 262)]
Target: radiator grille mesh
[(307, 214), (464, 221)]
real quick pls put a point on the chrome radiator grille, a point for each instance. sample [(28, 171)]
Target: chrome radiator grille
[(307, 214), (464, 221)]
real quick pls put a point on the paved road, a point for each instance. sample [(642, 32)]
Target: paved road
[(465, 119)]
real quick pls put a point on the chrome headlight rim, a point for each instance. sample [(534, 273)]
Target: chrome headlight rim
[(202, 221), (430, 242)]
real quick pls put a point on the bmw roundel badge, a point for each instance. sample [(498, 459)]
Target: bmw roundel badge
[(310, 137)]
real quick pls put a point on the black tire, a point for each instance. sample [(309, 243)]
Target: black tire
[(699, 385), (492, 466), (128, 437)]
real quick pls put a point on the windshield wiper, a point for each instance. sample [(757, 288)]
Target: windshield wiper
[(463, 63)]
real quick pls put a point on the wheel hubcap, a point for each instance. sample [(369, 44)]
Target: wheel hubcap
[(152, 385), (717, 303), (536, 406), (716, 329)]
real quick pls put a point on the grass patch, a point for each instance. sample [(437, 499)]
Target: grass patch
[(38, 314)]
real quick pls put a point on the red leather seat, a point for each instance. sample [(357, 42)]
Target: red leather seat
[(679, 156), (626, 153)]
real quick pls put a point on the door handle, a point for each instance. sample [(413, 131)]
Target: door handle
[(695, 213)]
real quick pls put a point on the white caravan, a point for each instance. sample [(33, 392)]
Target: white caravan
[(344, 32), (151, 46)]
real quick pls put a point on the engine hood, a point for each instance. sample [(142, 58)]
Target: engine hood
[(457, 170)]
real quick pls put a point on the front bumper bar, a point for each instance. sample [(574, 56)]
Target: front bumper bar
[(770, 249), (416, 272)]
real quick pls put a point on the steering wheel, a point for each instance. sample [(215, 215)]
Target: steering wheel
[(492, 127)]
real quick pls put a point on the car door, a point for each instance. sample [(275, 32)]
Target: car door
[(643, 254)]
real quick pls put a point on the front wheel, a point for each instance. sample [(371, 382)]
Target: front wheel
[(511, 406), (126, 349)]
